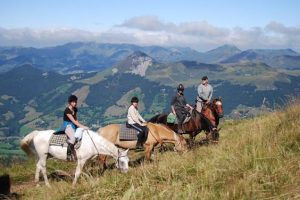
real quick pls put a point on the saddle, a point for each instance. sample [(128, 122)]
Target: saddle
[(59, 138), (127, 133)]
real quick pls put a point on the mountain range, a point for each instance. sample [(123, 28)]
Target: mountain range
[(35, 83), (86, 57)]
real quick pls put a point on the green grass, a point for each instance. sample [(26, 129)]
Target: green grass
[(255, 159)]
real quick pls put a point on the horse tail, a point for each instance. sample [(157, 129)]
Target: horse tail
[(25, 142)]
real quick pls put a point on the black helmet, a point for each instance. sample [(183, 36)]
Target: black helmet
[(72, 98), (134, 100), (180, 87), (204, 78)]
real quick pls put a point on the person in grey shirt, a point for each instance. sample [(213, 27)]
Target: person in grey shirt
[(205, 92)]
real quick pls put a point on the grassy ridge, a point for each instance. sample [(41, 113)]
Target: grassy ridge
[(256, 159)]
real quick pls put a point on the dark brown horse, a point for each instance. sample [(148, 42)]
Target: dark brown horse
[(207, 120)]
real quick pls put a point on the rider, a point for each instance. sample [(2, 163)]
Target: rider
[(71, 124), (205, 92), (136, 121), (179, 107)]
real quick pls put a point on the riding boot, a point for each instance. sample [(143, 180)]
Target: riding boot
[(73, 155), (139, 143), (180, 129)]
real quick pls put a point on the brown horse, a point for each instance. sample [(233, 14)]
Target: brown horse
[(207, 120), (158, 134)]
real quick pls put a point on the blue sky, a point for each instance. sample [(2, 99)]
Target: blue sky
[(198, 24)]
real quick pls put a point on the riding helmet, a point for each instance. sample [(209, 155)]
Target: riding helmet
[(180, 87), (204, 78), (72, 98), (134, 100)]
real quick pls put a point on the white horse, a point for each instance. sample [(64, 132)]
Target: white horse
[(92, 145)]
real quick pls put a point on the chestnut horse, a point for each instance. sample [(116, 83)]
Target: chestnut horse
[(207, 120), (158, 134)]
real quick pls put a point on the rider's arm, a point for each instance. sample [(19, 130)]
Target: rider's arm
[(76, 122), (172, 105), (133, 115), (140, 117), (210, 94), (188, 105), (173, 110)]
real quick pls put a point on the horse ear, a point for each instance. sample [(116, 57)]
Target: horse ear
[(125, 152)]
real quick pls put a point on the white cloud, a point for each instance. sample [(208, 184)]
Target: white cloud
[(150, 30)]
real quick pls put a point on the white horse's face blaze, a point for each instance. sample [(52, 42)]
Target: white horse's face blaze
[(122, 161)]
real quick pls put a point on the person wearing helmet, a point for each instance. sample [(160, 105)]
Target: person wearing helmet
[(135, 120), (71, 124), (179, 107), (205, 92)]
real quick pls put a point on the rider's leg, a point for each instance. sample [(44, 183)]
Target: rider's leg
[(199, 106), (71, 139), (180, 118), (140, 136), (71, 134)]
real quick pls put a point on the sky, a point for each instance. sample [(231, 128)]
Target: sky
[(202, 25)]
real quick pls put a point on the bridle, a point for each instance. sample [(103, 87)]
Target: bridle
[(118, 157)]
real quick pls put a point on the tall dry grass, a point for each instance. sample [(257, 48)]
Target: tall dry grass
[(256, 159)]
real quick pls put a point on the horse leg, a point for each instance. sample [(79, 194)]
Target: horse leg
[(37, 173), (192, 140), (148, 151), (41, 166), (102, 159), (79, 167)]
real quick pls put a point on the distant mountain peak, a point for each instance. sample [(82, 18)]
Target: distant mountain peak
[(136, 63), (227, 47), (220, 53), (138, 54)]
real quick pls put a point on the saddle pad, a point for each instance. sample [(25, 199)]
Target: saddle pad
[(187, 119), (58, 140), (128, 134)]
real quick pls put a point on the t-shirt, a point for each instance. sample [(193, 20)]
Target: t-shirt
[(178, 102), (68, 111)]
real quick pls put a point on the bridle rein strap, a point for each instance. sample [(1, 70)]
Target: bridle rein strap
[(93, 142), (118, 157)]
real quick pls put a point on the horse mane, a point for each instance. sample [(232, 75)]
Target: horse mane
[(154, 118), (159, 118)]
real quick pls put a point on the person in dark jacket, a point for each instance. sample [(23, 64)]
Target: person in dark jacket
[(180, 107)]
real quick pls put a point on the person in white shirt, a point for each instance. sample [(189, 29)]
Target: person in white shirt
[(205, 92), (136, 121)]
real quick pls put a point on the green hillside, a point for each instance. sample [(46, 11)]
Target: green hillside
[(256, 158)]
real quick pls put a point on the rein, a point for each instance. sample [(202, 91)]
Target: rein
[(93, 142), (118, 157), (158, 140)]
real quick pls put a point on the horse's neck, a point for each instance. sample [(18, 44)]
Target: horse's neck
[(103, 144), (171, 136)]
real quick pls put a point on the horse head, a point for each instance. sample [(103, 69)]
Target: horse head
[(218, 107), (122, 161), (180, 143)]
